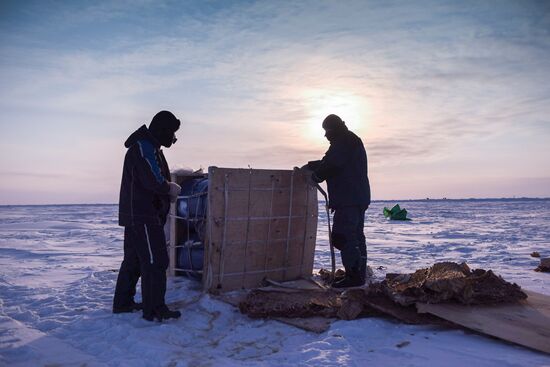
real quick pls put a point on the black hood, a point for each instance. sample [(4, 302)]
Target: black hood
[(335, 134), (139, 134)]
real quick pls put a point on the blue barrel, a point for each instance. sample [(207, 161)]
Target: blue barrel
[(190, 260), (193, 207)]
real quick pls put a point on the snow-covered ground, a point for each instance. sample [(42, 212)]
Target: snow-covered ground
[(58, 269)]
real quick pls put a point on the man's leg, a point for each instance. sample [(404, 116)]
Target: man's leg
[(362, 242), (345, 238), (153, 257), (128, 276)]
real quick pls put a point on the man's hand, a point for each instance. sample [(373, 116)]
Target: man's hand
[(175, 190)]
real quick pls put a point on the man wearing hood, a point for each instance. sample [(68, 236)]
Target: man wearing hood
[(145, 196), (344, 167)]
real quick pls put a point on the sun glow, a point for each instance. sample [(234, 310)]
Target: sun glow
[(351, 108)]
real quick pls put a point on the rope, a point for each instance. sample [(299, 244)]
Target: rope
[(192, 195), (332, 255), (196, 219)]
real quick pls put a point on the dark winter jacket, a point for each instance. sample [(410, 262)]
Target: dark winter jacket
[(144, 188), (344, 167)]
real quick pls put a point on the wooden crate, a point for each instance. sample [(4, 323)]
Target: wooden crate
[(260, 224)]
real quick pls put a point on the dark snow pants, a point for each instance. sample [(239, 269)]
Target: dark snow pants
[(145, 255), (348, 236)]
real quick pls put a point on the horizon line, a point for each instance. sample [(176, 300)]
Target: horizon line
[(372, 201)]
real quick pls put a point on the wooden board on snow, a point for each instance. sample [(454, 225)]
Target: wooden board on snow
[(313, 324), (526, 323)]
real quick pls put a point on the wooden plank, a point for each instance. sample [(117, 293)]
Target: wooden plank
[(525, 323), (261, 223), (312, 324), (214, 228), (408, 315), (310, 235), (298, 285)]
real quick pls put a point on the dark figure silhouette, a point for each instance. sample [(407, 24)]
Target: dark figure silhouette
[(344, 167), (145, 196)]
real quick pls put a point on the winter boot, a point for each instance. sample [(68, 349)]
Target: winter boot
[(162, 313), (363, 269), (353, 278), (133, 306)]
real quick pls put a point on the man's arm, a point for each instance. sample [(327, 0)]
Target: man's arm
[(148, 169), (333, 161)]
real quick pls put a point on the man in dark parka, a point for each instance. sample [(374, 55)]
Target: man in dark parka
[(145, 196), (344, 167)]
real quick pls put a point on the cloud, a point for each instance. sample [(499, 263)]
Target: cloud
[(32, 175), (433, 77)]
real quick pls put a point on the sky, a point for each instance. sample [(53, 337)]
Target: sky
[(451, 99)]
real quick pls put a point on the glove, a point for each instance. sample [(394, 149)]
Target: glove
[(174, 191)]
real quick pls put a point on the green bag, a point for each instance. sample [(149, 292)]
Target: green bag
[(396, 213)]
